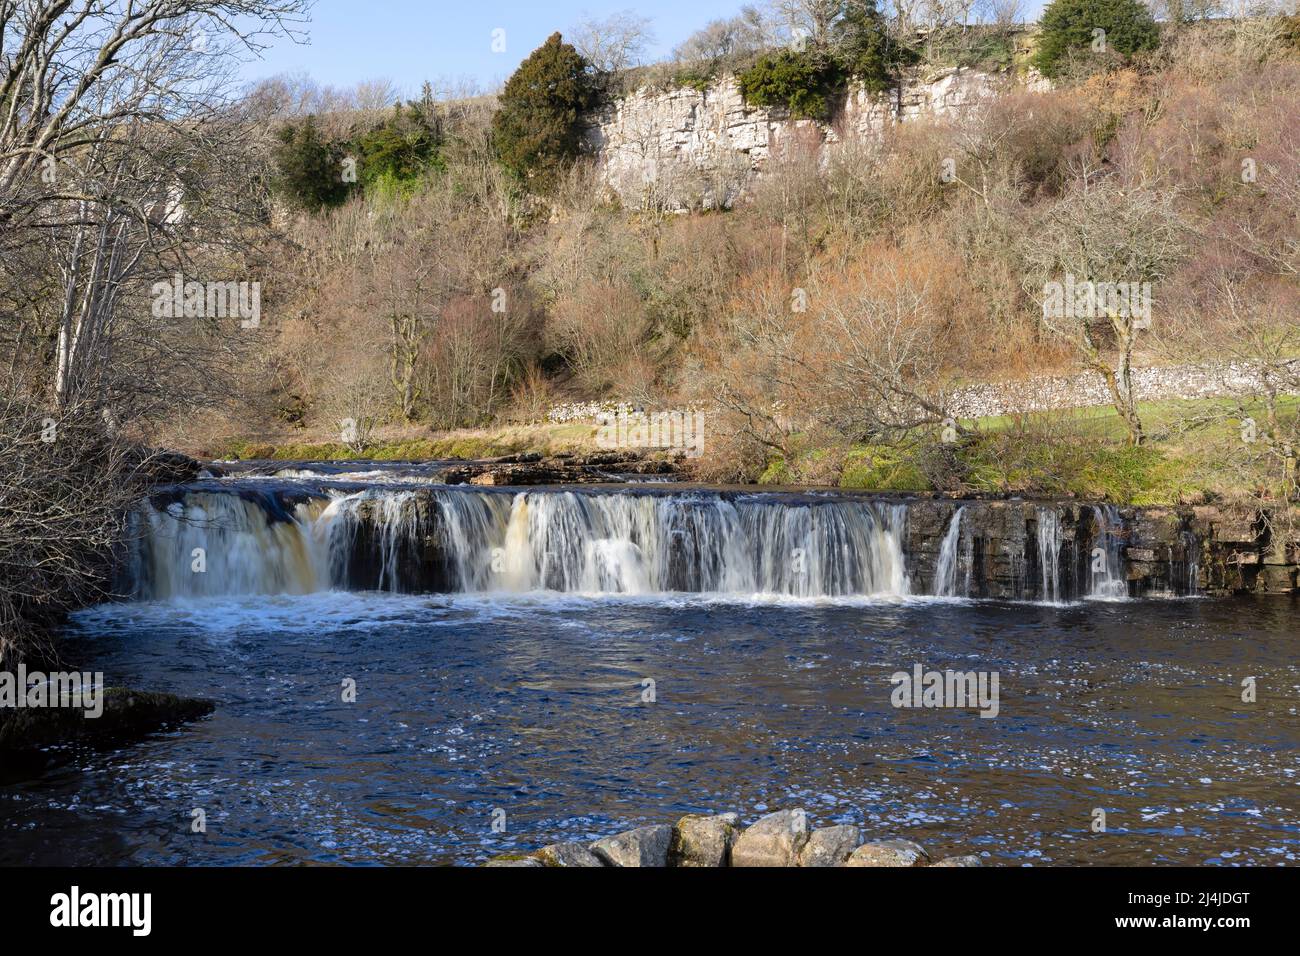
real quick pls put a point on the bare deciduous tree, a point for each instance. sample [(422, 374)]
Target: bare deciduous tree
[(107, 109), (118, 155), (616, 43), (374, 96), (1103, 234), (1003, 14), (885, 342), (727, 39), (811, 20)]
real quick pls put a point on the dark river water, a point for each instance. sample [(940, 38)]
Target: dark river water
[(529, 711)]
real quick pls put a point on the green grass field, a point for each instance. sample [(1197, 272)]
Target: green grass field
[(1194, 452)]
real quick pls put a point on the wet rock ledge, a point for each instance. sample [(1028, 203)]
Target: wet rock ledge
[(778, 839), (128, 716), (562, 469)]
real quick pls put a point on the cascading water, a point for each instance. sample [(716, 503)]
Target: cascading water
[(1049, 555), (397, 522), (1191, 564), (474, 541), (211, 544), (265, 536), (945, 571), (1107, 579)]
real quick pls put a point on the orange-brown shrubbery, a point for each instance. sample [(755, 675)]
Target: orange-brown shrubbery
[(856, 354), (916, 254)]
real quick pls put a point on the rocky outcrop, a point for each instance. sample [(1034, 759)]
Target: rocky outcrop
[(778, 839), (1212, 549), (128, 715), (692, 148), (519, 471), (1246, 551)]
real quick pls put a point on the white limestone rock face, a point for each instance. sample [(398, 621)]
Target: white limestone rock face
[(685, 148), (681, 148)]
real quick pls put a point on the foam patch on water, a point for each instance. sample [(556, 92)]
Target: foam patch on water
[(372, 609)]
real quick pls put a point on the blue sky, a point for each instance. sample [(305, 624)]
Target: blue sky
[(409, 41)]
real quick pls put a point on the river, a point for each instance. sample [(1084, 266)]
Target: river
[(623, 656)]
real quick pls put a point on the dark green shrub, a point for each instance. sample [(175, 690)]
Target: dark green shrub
[(538, 126), (856, 44), (802, 82), (308, 170), (399, 151), (1068, 31), (863, 48)]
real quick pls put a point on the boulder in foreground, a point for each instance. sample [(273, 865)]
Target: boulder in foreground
[(774, 840), (700, 841), (889, 853), (781, 839), (646, 846)]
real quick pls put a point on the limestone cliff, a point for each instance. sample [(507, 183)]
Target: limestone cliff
[(689, 148)]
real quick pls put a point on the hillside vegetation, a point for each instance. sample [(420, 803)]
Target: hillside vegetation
[(462, 284), (456, 264), (294, 270)]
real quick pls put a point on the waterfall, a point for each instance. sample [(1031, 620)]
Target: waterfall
[(1191, 561), (262, 537), (1107, 579), (1049, 555), (215, 544), (461, 540), (945, 571)]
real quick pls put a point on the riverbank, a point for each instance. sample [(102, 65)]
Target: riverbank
[(1198, 452)]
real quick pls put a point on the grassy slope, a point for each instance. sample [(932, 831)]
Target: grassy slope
[(1194, 451)]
